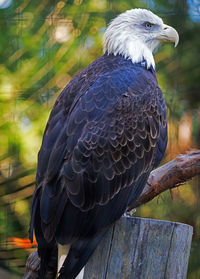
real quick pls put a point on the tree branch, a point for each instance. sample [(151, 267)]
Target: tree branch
[(170, 175)]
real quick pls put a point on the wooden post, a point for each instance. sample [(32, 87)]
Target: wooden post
[(137, 248)]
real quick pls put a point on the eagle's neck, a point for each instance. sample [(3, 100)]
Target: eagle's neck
[(130, 48)]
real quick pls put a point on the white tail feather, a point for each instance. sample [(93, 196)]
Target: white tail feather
[(81, 274), (63, 251)]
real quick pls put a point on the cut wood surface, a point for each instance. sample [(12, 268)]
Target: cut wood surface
[(143, 249), (32, 266)]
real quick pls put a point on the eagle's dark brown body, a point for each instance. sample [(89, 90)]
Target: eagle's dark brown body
[(105, 134)]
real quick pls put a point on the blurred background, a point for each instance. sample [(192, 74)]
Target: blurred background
[(43, 44)]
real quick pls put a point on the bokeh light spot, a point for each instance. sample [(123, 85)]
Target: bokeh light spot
[(5, 4), (194, 9)]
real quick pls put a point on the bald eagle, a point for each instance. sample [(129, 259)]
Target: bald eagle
[(105, 134)]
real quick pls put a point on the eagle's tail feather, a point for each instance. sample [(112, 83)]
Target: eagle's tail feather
[(79, 253), (63, 251), (47, 251)]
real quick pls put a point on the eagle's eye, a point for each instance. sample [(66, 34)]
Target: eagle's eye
[(148, 25)]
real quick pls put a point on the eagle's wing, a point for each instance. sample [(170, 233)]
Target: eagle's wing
[(106, 143)]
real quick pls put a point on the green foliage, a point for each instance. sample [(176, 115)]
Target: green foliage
[(43, 44)]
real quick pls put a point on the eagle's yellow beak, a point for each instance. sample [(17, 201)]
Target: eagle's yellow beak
[(169, 34)]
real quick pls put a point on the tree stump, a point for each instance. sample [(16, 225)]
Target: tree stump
[(138, 248)]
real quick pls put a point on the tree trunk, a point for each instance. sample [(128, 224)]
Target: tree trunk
[(137, 248)]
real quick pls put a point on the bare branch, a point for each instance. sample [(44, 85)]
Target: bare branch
[(170, 175)]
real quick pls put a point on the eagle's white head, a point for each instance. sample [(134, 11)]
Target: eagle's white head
[(136, 33)]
